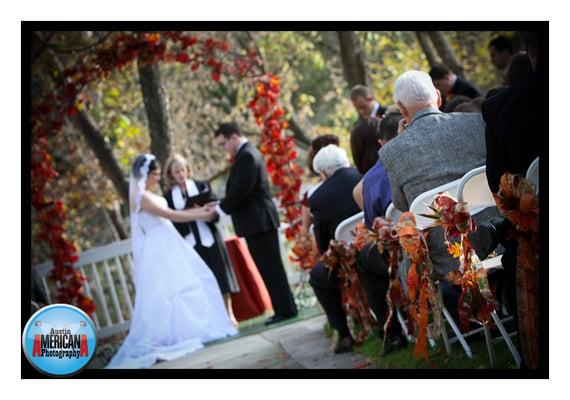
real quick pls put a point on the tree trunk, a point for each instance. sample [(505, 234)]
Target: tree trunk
[(156, 106), (104, 154), (426, 45), (118, 222), (301, 138), (352, 56), (446, 52)]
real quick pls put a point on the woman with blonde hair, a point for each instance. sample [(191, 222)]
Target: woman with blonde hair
[(203, 236)]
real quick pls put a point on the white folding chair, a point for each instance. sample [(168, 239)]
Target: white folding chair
[(474, 190), (532, 173), (393, 213), (343, 230), (420, 206)]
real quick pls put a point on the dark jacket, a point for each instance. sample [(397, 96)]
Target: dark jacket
[(248, 198), (465, 88), (515, 131), (332, 203)]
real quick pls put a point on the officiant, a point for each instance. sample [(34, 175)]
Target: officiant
[(183, 193)]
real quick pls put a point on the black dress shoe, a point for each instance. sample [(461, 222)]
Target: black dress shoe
[(393, 343), (344, 345), (278, 318)]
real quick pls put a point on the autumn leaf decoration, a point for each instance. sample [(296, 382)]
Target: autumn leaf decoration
[(385, 236), (305, 251), (421, 287), (340, 258), (476, 300), (517, 200)]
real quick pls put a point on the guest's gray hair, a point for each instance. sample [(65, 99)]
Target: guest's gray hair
[(414, 87), (329, 159)]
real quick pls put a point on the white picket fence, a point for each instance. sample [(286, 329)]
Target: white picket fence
[(109, 272)]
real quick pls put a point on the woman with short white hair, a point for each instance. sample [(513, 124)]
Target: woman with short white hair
[(329, 159)]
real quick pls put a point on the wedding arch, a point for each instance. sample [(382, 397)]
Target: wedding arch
[(50, 110)]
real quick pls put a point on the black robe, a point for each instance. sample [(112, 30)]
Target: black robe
[(215, 256)]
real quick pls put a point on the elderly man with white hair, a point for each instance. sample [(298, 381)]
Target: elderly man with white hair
[(330, 204), (433, 149)]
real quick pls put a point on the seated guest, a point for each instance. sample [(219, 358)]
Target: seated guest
[(365, 143), (365, 104), (519, 69), (501, 50), (318, 143), (434, 149), (468, 108), (516, 119), (452, 104), (374, 194), (331, 204), (451, 85)]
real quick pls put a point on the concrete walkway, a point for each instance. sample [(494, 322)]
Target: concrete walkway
[(299, 345)]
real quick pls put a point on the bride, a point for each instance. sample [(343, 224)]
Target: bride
[(178, 304)]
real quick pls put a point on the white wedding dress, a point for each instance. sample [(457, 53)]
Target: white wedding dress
[(178, 304)]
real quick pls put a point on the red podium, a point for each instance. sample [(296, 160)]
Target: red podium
[(253, 298)]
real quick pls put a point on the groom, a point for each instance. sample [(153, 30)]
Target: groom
[(248, 201)]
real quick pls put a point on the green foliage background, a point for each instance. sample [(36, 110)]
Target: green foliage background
[(314, 91)]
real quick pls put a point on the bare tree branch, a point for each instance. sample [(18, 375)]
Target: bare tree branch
[(352, 56), (104, 154), (446, 52), (426, 45)]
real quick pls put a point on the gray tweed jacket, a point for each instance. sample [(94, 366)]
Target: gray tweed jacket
[(435, 149)]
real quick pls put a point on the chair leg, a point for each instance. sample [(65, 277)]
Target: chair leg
[(457, 332), (446, 342), (506, 337), (404, 326), (490, 348)]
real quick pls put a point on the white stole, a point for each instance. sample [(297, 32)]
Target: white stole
[(179, 202)]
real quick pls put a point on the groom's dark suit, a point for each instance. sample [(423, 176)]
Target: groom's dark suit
[(254, 215)]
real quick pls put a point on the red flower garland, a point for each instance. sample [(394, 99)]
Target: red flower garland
[(518, 201), (340, 258), (48, 118), (476, 298)]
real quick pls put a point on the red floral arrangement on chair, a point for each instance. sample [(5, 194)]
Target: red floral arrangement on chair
[(421, 287), (340, 258), (476, 300), (517, 200)]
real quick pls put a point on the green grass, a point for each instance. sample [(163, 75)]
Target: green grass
[(438, 358)]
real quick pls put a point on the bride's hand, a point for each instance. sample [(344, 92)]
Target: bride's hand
[(210, 213)]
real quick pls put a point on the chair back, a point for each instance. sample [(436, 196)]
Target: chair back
[(421, 203), (474, 190), (343, 230), (393, 213), (532, 173)]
